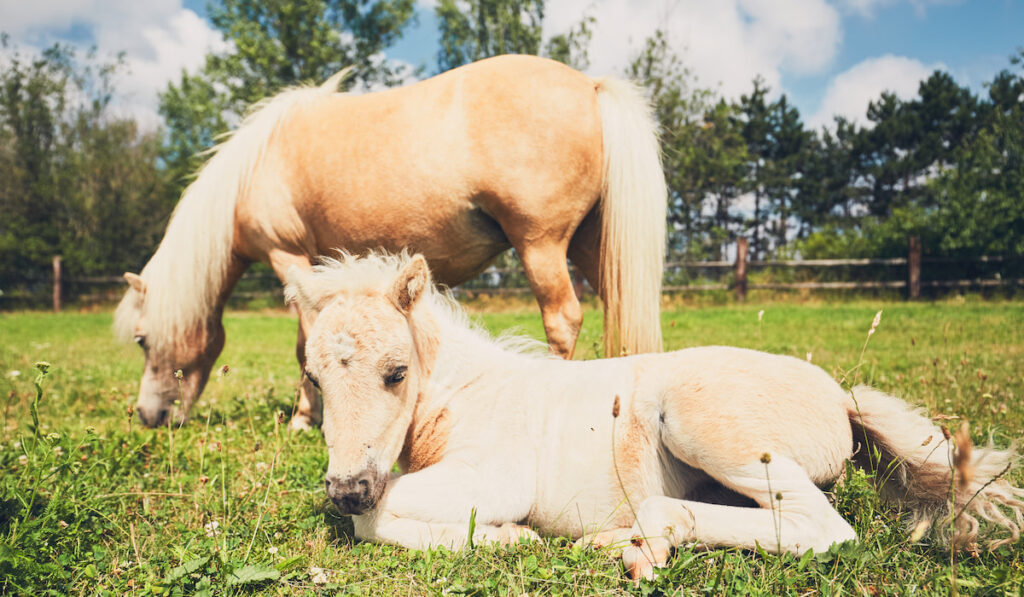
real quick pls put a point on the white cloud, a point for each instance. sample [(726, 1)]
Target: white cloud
[(158, 37), (851, 90), (726, 43), (867, 8)]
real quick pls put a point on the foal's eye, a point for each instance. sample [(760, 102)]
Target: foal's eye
[(396, 376), (141, 341), (312, 380)]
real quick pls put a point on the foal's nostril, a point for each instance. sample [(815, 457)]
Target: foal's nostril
[(353, 495)]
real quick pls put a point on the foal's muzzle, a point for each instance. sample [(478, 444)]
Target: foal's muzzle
[(356, 494)]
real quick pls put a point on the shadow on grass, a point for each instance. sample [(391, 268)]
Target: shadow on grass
[(339, 526)]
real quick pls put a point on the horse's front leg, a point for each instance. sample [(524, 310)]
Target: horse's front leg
[(308, 411), (435, 506)]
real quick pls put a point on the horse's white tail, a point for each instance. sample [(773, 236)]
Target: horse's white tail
[(933, 475), (633, 206)]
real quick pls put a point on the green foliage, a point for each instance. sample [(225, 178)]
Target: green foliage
[(476, 29), (90, 505), (275, 44), (944, 165), (74, 179), (704, 152), (572, 47)]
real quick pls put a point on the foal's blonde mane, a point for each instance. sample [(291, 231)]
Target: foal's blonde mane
[(187, 274), (374, 273)]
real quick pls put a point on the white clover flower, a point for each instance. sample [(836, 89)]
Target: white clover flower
[(318, 575), (272, 550), (212, 528), (23, 460)]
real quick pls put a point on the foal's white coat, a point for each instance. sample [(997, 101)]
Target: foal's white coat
[(717, 445)]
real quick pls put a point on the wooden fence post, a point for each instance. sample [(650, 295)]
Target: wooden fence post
[(914, 268), (741, 268), (56, 283)]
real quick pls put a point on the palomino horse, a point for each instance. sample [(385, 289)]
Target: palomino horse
[(720, 446), (514, 151)]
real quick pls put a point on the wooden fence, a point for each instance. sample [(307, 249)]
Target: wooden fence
[(512, 280), (910, 281)]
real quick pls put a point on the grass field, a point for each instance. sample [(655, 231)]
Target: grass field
[(231, 503)]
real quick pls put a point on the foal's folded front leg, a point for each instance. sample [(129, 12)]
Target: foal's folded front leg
[(434, 506)]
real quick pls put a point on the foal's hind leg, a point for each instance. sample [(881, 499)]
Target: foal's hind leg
[(794, 516)]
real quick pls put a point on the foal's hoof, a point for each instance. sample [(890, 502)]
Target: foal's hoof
[(302, 423), (614, 541), (514, 533), (643, 556)]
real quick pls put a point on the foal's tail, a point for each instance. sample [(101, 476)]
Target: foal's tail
[(934, 475), (633, 206)]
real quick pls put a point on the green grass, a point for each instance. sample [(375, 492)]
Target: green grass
[(90, 503)]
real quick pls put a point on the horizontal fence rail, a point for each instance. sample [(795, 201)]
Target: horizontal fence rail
[(512, 280)]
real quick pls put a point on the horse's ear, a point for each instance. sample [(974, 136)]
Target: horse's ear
[(135, 281), (412, 282)]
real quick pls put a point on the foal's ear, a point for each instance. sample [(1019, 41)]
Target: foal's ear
[(412, 282), (135, 281), (297, 291)]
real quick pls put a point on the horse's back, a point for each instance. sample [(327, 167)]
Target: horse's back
[(455, 161)]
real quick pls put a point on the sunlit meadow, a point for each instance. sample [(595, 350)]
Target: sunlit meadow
[(233, 503)]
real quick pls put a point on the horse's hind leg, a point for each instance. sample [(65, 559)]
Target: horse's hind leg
[(585, 248), (550, 282), (794, 516)]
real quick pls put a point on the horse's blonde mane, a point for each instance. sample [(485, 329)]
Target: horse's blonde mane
[(187, 273), (374, 273)]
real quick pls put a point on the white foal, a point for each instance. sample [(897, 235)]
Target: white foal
[(720, 446)]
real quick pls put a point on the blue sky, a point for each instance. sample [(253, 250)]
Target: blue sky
[(829, 56)]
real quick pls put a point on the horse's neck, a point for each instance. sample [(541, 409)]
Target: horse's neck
[(196, 309), (233, 273)]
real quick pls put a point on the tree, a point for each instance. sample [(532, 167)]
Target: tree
[(275, 44), (725, 162), (756, 129), (74, 180), (475, 29), (786, 183), (979, 192), (699, 152)]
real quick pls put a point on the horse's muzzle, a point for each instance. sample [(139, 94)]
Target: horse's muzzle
[(356, 494)]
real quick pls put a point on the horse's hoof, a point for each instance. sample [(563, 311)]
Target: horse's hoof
[(301, 423)]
